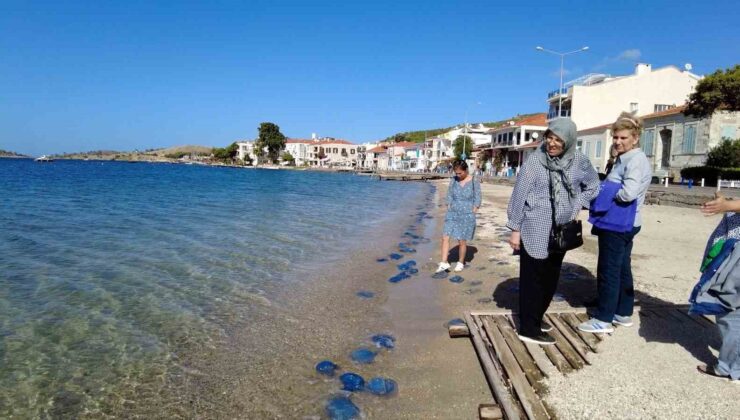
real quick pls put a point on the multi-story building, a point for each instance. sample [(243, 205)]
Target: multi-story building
[(299, 149), (479, 133), (244, 150), (332, 152), (671, 140), (597, 99), (515, 140)]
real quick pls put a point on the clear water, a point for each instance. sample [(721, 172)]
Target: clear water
[(110, 273)]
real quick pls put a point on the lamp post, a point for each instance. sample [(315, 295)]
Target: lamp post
[(562, 59)]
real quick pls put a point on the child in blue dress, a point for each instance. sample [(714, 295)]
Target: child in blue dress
[(463, 201)]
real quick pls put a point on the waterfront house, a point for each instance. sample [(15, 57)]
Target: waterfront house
[(478, 133), (299, 149), (244, 150), (512, 142), (332, 152), (671, 140), (596, 99)]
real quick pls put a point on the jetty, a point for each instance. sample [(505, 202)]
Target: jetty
[(402, 176)]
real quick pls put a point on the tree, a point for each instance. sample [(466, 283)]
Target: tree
[(457, 146), (725, 155), (718, 91), (227, 153), (287, 157), (271, 138)]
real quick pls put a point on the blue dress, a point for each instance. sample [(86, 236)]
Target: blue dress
[(460, 219)]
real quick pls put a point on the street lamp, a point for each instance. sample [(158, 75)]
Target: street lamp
[(562, 57)]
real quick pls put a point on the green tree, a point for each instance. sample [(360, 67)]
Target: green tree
[(725, 155), (227, 153), (287, 157), (718, 91), (271, 138), (461, 141)]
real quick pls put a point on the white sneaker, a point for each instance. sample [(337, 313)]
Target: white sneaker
[(443, 266), (459, 266)]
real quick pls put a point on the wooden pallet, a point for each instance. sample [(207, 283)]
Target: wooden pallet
[(515, 370)]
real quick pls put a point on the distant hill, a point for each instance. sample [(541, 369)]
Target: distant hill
[(419, 135), (8, 154), (149, 155)]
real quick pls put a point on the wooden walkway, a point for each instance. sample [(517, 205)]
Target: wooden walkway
[(515, 370)]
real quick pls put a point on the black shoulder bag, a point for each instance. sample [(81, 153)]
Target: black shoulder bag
[(566, 236)]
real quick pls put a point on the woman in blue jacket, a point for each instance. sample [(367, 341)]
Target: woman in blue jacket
[(631, 174)]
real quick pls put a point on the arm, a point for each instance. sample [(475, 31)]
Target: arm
[(449, 190), (477, 195), (636, 180), (720, 204), (590, 183), (524, 183)]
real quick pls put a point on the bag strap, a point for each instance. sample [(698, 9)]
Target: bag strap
[(552, 200)]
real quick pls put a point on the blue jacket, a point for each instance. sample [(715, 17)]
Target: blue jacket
[(718, 289), (608, 213)]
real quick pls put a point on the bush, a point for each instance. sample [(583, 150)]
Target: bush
[(725, 155), (710, 174)]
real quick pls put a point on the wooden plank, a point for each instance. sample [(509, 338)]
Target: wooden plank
[(533, 374), (538, 355), (566, 349), (555, 356), (456, 331), (493, 375), (588, 338), (490, 412), (574, 310), (527, 397), (578, 345)]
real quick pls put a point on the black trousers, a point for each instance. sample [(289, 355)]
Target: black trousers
[(538, 280)]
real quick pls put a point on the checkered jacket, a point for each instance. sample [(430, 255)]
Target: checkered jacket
[(530, 211)]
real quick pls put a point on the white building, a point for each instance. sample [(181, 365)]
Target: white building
[(512, 143), (479, 133), (332, 152), (597, 99), (245, 149), (299, 149)]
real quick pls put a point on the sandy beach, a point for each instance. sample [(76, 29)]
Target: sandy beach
[(640, 372)]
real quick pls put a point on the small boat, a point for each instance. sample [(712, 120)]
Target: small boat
[(44, 158)]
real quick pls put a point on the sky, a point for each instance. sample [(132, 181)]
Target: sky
[(114, 75)]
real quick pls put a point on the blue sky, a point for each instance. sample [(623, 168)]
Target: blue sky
[(78, 76)]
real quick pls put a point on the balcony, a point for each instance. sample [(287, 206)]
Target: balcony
[(554, 93)]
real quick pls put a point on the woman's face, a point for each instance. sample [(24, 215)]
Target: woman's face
[(624, 141), (554, 145), (461, 173)]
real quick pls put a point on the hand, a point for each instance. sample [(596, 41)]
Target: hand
[(719, 205), (515, 240)]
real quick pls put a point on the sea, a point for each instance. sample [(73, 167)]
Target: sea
[(113, 274)]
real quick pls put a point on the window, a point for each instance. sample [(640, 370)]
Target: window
[(598, 149), (728, 132), (527, 136), (689, 138), (579, 145), (587, 149), (646, 141), (660, 107), (634, 107), (352, 151)]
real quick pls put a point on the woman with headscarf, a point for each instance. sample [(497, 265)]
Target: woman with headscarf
[(629, 180), (559, 177)]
